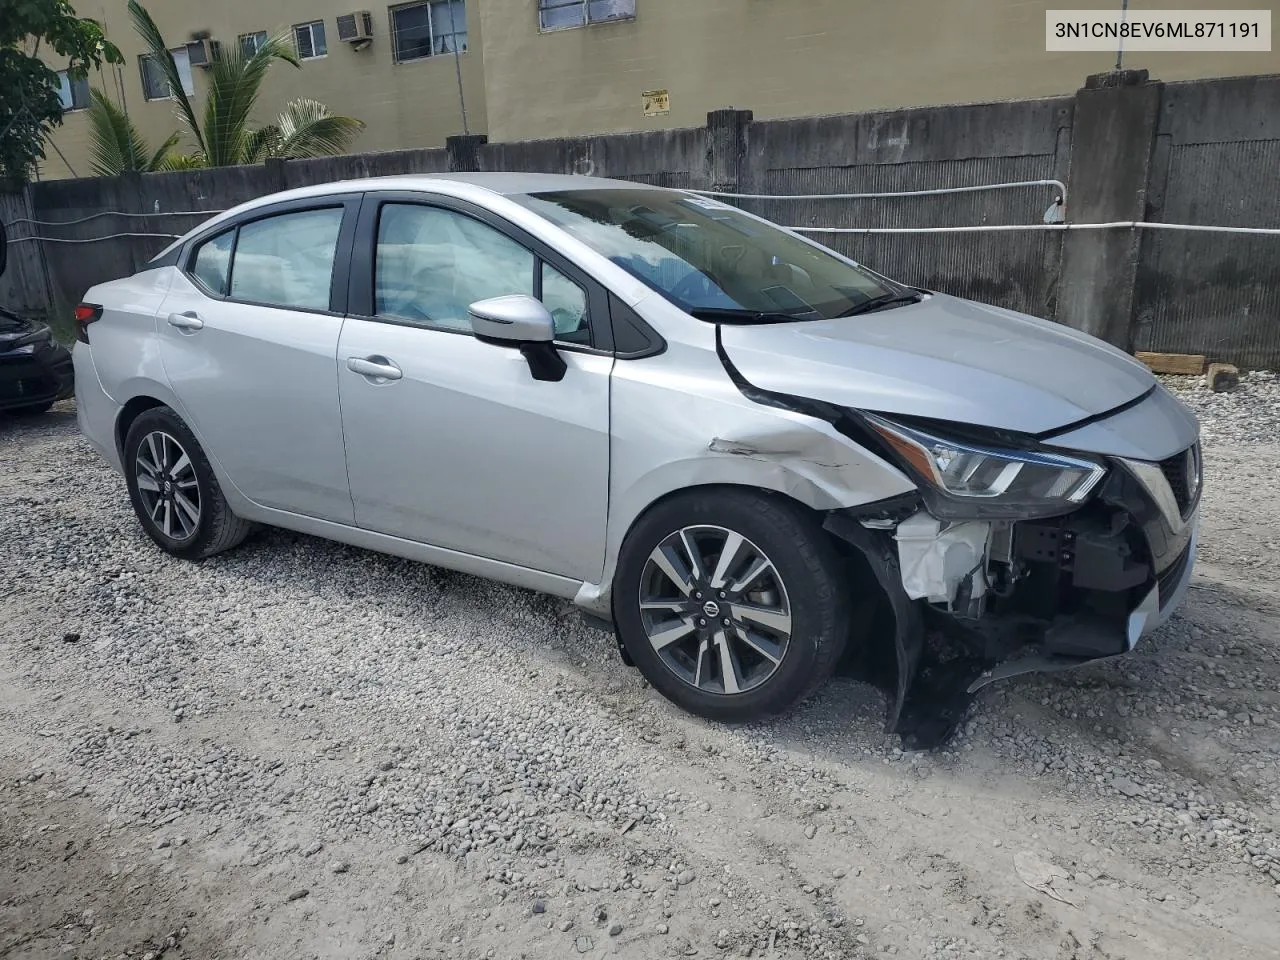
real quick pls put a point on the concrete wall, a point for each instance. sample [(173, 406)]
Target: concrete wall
[(413, 104), (669, 158), (793, 59), (1200, 152), (922, 149)]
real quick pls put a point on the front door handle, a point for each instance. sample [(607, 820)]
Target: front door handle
[(189, 320), (375, 368)]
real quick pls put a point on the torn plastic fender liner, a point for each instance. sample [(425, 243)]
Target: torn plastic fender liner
[(908, 632)]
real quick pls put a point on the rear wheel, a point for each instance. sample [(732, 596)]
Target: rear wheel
[(733, 604), (173, 489)]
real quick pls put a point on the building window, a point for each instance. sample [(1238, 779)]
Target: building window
[(310, 40), (565, 14), (428, 29), (154, 85), (251, 43), (73, 91)]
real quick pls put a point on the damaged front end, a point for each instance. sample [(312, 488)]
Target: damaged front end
[(1029, 559)]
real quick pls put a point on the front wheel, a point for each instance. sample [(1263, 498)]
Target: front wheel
[(733, 604), (174, 491)]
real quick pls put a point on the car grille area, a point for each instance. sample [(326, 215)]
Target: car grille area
[(1182, 471)]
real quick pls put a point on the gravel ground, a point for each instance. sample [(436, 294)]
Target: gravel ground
[(305, 750)]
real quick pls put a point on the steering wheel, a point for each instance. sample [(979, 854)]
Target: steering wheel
[(695, 287)]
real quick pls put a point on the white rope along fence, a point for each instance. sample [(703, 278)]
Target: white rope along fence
[(979, 228)]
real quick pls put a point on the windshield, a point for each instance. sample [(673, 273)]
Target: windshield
[(704, 255)]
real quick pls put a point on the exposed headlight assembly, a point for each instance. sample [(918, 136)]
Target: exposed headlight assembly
[(970, 480)]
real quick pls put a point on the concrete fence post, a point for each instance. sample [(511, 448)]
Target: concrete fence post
[(131, 197), (727, 132), (464, 152), (1111, 148)]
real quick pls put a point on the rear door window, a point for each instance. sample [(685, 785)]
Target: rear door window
[(287, 260)]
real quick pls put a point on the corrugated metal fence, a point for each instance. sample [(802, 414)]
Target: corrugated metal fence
[(1217, 294)]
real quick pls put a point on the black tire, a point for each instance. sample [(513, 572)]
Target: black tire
[(35, 410), (815, 584), (216, 528)]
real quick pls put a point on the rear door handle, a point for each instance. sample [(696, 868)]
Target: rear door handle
[(186, 321), (375, 368)]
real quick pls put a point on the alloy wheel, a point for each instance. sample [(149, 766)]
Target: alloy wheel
[(167, 485), (715, 609)]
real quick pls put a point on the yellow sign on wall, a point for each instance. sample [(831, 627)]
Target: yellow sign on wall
[(656, 103)]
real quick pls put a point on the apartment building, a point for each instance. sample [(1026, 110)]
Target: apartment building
[(529, 69), (398, 71)]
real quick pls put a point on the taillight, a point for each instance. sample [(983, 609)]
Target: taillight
[(86, 313)]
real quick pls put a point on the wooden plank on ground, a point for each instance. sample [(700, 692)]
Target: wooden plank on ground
[(1185, 363)]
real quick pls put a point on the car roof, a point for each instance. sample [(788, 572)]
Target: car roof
[(462, 185), (504, 184)]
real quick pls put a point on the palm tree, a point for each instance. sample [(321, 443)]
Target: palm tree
[(116, 146), (305, 128)]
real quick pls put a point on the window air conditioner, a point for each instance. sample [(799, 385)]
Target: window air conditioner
[(355, 27)]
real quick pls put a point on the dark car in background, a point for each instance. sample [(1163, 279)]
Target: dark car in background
[(35, 370)]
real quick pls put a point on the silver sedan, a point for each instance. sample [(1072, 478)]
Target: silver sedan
[(744, 452)]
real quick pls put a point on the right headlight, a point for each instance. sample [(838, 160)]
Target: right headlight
[(971, 480)]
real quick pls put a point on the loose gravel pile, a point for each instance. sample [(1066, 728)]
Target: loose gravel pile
[(1250, 413), (302, 749)]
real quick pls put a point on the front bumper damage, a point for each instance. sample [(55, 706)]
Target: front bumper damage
[(1023, 596)]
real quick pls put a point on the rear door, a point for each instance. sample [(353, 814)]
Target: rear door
[(249, 341), (459, 447)]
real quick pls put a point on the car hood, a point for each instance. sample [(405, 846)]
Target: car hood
[(943, 358)]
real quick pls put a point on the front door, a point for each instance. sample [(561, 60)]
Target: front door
[(249, 340), (450, 441)]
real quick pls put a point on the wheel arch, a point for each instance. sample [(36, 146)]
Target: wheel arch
[(146, 395), (130, 412), (710, 486), (135, 396)]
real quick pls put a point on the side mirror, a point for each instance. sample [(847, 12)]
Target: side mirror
[(512, 320), (520, 321)]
